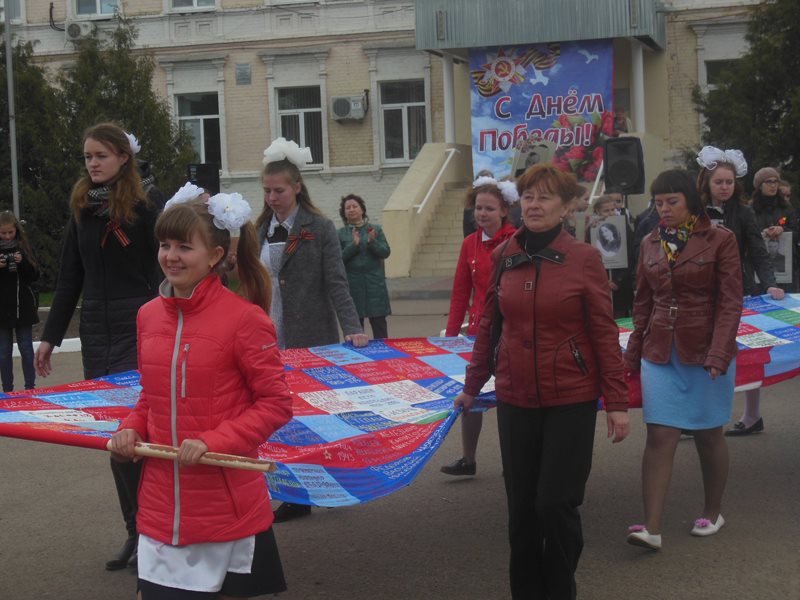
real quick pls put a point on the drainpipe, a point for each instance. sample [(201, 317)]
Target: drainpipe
[(449, 100), (637, 86)]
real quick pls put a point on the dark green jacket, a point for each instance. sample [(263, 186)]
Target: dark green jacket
[(364, 266)]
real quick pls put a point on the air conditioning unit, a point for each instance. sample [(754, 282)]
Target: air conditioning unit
[(77, 30), (348, 107)]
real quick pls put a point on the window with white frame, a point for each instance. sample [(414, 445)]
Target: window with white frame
[(85, 8), (199, 114), (193, 3), (403, 122), (714, 69), (300, 115)]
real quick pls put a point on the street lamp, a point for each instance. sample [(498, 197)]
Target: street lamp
[(12, 117)]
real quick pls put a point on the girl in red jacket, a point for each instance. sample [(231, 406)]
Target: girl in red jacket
[(212, 380), (490, 201)]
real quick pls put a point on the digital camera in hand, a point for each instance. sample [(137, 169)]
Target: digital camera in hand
[(7, 254)]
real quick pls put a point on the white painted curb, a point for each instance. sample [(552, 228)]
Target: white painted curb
[(68, 345)]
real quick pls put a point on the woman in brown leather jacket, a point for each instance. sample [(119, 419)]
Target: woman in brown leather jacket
[(685, 316), (548, 329)]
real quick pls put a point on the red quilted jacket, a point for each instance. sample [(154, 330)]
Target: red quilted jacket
[(473, 276), (210, 370)]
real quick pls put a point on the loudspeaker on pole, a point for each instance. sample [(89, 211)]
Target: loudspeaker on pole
[(624, 165)]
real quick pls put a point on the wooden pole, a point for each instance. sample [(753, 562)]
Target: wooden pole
[(213, 459)]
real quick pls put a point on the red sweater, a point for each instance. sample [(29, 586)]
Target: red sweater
[(473, 277), (210, 371)]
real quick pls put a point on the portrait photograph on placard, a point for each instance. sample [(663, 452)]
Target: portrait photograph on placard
[(780, 256), (609, 236)]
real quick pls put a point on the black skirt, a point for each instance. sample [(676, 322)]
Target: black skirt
[(265, 577)]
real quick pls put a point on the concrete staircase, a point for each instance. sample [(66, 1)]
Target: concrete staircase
[(437, 254)]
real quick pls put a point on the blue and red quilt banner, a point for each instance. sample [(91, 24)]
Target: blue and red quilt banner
[(560, 94), (366, 420)]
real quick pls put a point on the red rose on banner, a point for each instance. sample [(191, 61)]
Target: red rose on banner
[(607, 124), (585, 159)]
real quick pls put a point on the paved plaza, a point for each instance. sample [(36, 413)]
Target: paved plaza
[(441, 537)]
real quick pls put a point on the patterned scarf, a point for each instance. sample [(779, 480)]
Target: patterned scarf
[(98, 202), (674, 239)]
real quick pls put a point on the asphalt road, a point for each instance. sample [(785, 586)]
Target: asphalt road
[(441, 537)]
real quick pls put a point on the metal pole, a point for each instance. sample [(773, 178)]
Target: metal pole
[(12, 117)]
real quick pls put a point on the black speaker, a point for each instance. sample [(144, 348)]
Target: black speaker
[(204, 175), (624, 165)]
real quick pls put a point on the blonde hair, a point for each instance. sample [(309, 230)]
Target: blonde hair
[(126, 190), (182, 221)]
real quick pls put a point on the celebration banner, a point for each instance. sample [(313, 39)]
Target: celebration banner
[(541, 102), (366, 420)]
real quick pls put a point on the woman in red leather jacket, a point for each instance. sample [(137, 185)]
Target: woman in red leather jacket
[(490, 201), (549, 329), (212, 380), (685, 316)]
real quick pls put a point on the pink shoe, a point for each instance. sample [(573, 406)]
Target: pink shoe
[(704, 527), (639, 536)]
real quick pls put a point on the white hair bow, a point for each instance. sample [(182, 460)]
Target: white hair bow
[(188, 192), (135, 146), (230, 211), (282, 148), (710, 157), (508, 189)]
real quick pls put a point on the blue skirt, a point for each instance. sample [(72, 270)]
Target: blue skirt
[(684, 396)]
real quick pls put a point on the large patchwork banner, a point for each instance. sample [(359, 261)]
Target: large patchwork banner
[(539, 103), (366, 420)]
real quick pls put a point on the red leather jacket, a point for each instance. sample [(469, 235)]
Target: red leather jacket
[(696, 304), (210, 371), (473, 276), (559, 342)]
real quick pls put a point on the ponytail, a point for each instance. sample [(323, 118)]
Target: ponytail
[(254, 280)]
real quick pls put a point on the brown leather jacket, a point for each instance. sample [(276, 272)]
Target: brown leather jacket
[(696, 304), (559, 342)]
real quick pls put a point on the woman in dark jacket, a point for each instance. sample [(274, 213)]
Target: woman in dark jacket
[(109, 259), (549, 324), (19, 309), (364, 248), (773, 215), (721, 194), (685, 317)]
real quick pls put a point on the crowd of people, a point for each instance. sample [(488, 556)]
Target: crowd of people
[(538, 284)]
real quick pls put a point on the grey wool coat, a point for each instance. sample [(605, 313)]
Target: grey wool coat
[(313, 284)]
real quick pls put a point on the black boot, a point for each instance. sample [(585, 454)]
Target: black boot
[(120, 560)]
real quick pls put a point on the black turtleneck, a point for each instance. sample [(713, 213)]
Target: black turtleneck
[(534, 241)]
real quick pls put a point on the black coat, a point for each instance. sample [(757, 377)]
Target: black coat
[(19, 304), (742, 221), (768, 212), (115, 280)]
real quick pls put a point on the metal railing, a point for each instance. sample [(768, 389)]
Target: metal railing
[(450, 152)]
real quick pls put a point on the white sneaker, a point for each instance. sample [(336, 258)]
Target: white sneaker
[(639, 536), (704, 527)]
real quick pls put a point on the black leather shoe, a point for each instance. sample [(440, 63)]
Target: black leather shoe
[(740, 429), (459, 468), (120, 561), (288, 511)]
